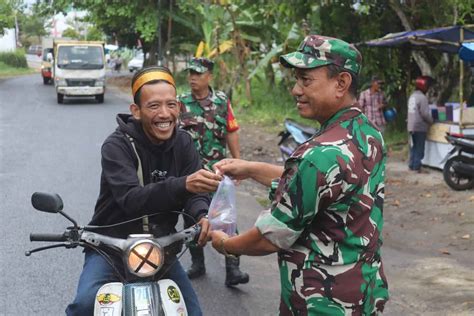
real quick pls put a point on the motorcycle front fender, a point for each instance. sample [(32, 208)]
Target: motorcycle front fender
[(451, 152)]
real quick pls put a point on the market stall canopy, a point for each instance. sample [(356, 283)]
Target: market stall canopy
[(466, 52), (446, 39)]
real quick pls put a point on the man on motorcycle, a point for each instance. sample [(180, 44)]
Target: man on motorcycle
[(208, 117), (149, 166), (325, 219)]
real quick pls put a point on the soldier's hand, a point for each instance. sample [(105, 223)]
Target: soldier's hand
[(216, 236), (202, 181), (237, 169)]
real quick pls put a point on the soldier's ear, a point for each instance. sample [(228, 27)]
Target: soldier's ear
[(344, 81), (136, 111)]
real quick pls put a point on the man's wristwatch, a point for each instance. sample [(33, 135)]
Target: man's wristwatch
[(222, 248)]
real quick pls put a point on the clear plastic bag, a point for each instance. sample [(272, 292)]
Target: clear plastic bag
[(222, 211)]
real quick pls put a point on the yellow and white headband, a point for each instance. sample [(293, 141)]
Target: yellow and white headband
[(151, 76)]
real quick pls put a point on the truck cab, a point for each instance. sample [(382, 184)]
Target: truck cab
[(79, 69)]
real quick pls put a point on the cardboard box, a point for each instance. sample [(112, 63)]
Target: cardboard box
[(468, 116), (437, 132)]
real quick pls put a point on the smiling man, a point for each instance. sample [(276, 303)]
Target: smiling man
[(149, 166), (325, 219)]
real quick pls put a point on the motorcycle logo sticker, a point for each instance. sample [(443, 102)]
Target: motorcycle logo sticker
[(107, 298), (173, 294)]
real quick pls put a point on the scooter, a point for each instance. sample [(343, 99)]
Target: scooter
[(141, 291), (293, 136), (458, 171)]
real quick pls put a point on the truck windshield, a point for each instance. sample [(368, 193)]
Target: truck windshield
[(80, 57)]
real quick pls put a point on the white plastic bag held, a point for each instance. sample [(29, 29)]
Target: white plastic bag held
[(222, 212)]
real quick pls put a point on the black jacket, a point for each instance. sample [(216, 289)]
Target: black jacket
[(165, 167)]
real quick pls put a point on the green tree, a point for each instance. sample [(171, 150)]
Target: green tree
[(33, 23), (71, 33), (7, 18)]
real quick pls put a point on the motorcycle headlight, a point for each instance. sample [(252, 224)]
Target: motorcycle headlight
[(144, 258)]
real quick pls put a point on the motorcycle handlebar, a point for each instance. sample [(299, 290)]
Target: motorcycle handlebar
[(48, 237)]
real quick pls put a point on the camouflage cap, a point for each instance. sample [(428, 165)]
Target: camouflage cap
[(200, 65), (316, 51)]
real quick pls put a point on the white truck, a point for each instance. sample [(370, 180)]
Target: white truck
[(79, 69)]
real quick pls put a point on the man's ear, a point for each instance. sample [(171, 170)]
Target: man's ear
[(344, 82), (135, 110)]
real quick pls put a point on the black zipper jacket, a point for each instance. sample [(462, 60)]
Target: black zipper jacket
[(165, 168)]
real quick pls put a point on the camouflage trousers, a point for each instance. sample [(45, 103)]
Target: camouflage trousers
[(357, 289)]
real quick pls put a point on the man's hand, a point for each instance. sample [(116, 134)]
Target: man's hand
[(216, 236), (203, 237), (202, 181), (237, 169)]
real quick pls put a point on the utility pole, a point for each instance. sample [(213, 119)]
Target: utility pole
[(160, 50)]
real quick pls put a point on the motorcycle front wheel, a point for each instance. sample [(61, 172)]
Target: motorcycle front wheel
[(454, 180)]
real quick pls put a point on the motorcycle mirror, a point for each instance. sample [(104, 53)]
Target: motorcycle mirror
[(47, 202)]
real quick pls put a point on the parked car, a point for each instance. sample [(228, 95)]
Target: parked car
[(35, 50), (136, 63)]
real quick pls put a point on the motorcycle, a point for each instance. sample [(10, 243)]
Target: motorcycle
[(141, 290), (458, 171), (293, 136)]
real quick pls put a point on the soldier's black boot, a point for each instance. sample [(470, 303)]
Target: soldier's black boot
[(233, 275), (197, 267)]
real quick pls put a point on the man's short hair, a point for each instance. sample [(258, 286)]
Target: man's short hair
[(376, 78), (334, 70)]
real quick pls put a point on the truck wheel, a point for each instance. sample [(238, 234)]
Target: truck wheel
[(60, 98), (45, 80), (454, 180), (100, 98)]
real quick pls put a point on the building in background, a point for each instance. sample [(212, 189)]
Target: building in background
[(8, 41)]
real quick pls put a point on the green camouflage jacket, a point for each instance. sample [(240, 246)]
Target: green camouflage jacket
[(326, 217), (206, 121)]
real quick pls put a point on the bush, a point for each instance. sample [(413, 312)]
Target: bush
[(15, 59)]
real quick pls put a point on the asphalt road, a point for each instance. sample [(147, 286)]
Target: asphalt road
[(49, 147)]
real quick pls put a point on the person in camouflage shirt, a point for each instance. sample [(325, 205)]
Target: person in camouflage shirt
[(326, 215), (207, 116)]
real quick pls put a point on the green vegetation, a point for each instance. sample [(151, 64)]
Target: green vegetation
[(7, 18), (15, 59), (9, 71), (245, 38)]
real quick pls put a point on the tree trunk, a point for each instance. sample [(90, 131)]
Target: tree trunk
[(418, 56), (241, 50), (152, 53), (168, 40)]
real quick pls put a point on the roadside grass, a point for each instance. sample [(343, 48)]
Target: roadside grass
[(9, 71)]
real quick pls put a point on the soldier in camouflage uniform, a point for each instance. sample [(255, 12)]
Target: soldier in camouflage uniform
[(325, 219), (208, 117)]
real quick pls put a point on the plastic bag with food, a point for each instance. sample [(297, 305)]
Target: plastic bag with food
[(222, 211)]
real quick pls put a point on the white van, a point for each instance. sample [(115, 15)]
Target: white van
[(79, 69)]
